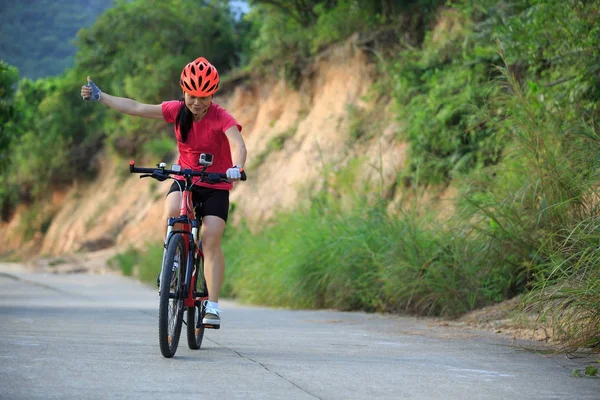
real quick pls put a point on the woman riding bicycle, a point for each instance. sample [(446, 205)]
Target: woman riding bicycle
[(201, 126)]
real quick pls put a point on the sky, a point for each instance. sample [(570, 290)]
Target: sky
[(239, 7)]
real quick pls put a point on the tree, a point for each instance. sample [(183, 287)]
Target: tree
[(303, 11), (8, 78)]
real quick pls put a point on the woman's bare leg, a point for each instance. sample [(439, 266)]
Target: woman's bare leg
[(171, 208), (214, 262)]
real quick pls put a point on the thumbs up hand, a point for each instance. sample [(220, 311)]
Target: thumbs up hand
[(90, 92)]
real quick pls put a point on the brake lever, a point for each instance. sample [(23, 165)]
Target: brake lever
[(156, 175), (159, 176)]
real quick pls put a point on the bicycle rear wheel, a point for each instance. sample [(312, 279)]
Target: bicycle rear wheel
[(195, 334), (170, 308)]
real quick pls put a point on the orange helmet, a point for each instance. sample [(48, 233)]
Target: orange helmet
[(199, 78)]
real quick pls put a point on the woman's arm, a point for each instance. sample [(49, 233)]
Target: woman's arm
[(121, 104), (238, 150), (132, 107)]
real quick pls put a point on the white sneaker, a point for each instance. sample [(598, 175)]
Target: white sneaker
[(211, 315)]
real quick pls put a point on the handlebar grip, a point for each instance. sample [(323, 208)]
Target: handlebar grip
[(133, 169), (243, 175)]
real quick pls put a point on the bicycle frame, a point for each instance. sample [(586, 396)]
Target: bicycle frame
[(190, 226)]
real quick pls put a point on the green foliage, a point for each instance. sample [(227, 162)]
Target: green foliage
[(8, 77), (559, 48), (37, 36), (125, 261), (126, 59), (441, 90), (161, 148), (303, 12), (591, 370), (353, 255), (340, 22), (47, 135), (286, 34), (360, 259), (150, 262), (143, 264)]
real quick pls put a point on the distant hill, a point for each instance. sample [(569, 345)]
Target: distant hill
[(36, 36)]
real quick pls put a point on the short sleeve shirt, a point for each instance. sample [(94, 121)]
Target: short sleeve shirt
[(205, 136)]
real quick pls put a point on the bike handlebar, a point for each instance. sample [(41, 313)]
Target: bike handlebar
[(163, 173)]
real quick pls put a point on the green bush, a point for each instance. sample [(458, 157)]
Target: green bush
[(160, 149), (441, 91), (144, 264), (353, 255), (125, 261)]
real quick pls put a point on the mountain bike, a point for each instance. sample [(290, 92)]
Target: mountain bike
[(182, 286)]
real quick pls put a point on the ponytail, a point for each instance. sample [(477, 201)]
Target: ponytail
[(184, 121)]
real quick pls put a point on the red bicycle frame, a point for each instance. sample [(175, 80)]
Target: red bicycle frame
[(189, 228)]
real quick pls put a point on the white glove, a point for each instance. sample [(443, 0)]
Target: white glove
[(234, 173)]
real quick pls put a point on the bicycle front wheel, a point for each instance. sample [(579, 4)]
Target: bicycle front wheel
[(170, 308)]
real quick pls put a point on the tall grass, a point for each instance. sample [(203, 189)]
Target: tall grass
[(355, 255), (542, 206), (144, 264), (568, 294), (567, 288)]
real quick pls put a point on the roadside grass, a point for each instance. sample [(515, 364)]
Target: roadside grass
[(354, 255), (124, 261), (144, 264), (547, 218)]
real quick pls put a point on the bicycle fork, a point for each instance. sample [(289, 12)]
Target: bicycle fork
[(162, 265)]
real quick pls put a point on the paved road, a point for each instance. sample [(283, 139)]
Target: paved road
[(81, 336)]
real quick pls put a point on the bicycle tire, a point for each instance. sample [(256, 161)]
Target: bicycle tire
[(172, 296), (195, 334)]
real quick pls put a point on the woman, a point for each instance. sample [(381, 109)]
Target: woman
[(201, 126)]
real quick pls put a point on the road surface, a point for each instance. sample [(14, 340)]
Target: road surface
[(83, 336)]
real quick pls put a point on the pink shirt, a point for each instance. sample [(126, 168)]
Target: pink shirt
[(205, 136)]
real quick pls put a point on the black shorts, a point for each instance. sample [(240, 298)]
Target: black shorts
[(208, 201)]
